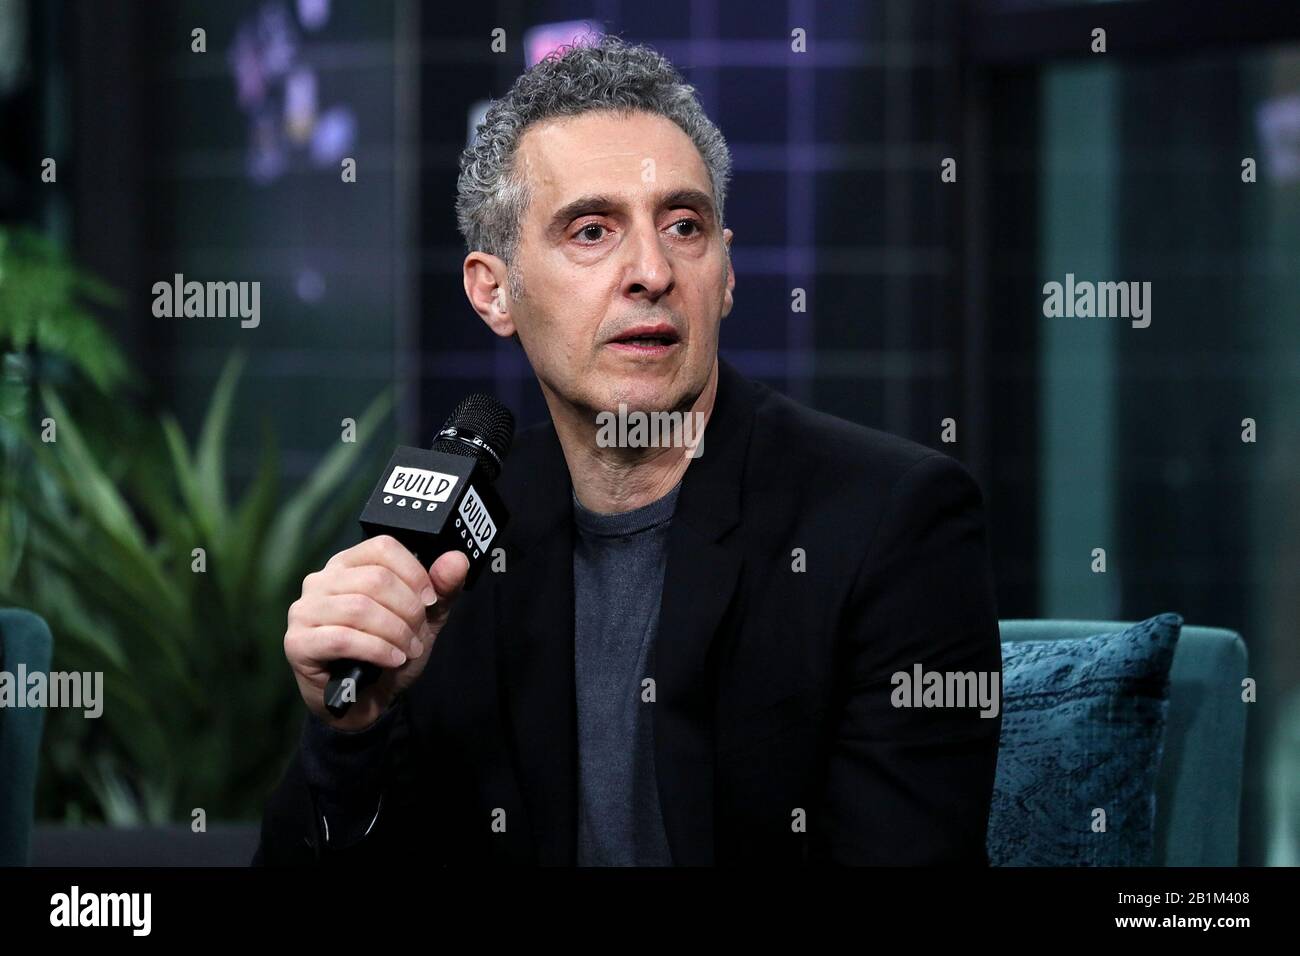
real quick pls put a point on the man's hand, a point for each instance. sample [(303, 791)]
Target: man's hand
[(374, 603)]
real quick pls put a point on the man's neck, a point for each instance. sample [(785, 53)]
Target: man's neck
[(615, 479)]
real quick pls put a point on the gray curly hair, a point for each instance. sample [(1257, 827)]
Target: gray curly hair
[(610, 75)]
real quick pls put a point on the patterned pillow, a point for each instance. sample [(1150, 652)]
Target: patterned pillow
[(1082, 733)]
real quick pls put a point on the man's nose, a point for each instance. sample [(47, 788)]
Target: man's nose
[(649, 270)]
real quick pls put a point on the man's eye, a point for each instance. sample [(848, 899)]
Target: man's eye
[(585, 232)]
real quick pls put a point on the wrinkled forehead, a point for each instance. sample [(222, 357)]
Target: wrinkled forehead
[(634, 156)]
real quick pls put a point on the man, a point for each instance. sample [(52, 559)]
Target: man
[(692, 653)]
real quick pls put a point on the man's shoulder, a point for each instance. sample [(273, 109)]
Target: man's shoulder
[(792, 447), (798, 444)]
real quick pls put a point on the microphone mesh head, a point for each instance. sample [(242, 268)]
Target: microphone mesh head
[(479, 416)]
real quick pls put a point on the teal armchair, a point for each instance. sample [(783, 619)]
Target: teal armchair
[(1198, 782), (24, 639)]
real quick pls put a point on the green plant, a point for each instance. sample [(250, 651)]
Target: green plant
[(98, 534), (199, 709), (45, 309), (48, 334)]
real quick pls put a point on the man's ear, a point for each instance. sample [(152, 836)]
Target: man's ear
[(485, 287), (727, 297)]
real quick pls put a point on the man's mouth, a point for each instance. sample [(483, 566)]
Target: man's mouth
[(648, 338)]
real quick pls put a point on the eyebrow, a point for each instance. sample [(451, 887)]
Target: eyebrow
[(599, 203)]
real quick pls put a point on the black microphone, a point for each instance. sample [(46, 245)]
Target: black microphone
[(434, 501)]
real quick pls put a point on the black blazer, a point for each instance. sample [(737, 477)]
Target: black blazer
[(775, 739)]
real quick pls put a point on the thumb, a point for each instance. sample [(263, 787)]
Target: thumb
[(447, 575)]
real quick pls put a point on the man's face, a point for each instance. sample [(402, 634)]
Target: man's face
[(620, 235)]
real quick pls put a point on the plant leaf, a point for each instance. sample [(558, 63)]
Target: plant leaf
[(285, 540)]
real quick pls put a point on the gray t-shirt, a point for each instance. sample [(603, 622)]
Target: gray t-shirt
[(618, 574)]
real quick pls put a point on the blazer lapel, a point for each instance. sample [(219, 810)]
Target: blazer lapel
[(699, 581), (535, 641)]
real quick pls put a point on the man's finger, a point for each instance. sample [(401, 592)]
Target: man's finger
[(382, 585), (447, 575), (388, 552)]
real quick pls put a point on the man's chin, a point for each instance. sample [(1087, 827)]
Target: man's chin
[(647, 389), (644, 404), (639, 396)]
